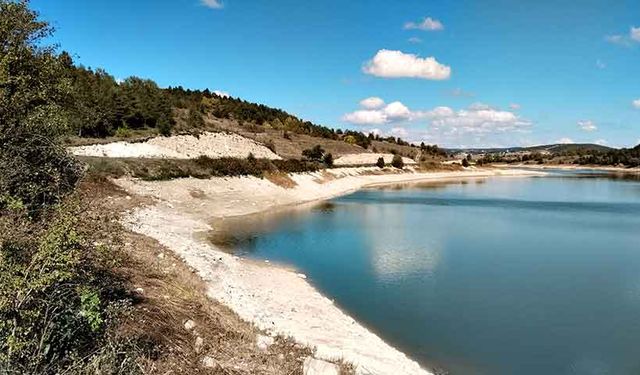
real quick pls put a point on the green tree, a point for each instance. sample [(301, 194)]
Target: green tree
[(314, 154), (397, 161), (34, 91), (380, 162)]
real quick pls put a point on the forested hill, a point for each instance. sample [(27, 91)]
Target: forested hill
[(101, 106)]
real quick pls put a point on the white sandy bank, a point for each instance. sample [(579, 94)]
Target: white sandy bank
[(274, 298), (365, 158), (215, 145)]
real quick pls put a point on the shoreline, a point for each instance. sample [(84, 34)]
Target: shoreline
[(568, 167), (275, 298)]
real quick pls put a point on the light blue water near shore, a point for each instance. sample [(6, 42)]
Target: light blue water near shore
[(497, 276)]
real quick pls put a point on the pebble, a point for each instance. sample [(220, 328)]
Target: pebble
[(199, 344), (209, 362), (189, 325), (264, 342)]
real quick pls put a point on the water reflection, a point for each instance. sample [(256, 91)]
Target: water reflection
[(488, 276)]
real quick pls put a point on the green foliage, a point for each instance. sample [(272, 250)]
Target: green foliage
[(33, 92), (313, 154), (465, 162), (397, 161), (123, 132), (380, 162), (51, 309)]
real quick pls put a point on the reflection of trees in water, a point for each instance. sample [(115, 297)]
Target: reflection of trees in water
[(230, 242), (325, 207)]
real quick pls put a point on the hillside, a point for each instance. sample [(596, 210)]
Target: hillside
[(558, 148)]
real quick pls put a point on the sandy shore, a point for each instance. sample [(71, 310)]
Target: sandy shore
[(276, 299)]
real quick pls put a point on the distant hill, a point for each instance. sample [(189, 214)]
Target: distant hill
[(559, 148)]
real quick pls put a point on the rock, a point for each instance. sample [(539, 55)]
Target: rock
[(209, 362), (264, 342), (314, 366), (161, 256), (189, 325), (302, 275), (199, 344), (139, 291)]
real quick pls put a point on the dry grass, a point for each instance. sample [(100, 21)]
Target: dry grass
[(281, 179), (169, 294)]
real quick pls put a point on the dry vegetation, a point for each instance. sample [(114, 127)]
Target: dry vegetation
[(168, 294)]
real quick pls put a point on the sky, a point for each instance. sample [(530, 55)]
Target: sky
[(450, 72)]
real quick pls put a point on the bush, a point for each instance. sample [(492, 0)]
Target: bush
[(380, 162), (465, 163), (327, 159), (123, 132), (53, 295), (36, 172), (314, 154), (397, 161)]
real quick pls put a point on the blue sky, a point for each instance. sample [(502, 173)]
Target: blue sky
[(452, 72)]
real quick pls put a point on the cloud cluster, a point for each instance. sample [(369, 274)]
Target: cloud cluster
[(478, 123), (427, 24), (587, 125), (625, 40), (397, 64), (376, 112), (636, 103)]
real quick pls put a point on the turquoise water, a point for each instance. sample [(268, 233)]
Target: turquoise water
[(489, 276)]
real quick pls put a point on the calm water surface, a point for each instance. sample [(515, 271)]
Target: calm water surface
[(488, 276)]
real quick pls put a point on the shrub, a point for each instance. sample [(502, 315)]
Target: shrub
[(465, 163), (53, 295), (380, 162), (397, 161), (327, 159), (314, 154), (123, 132)]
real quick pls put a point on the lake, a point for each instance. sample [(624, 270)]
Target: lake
[(535, 275)]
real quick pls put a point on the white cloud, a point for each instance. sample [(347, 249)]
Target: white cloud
[(414, 40), (587, 125), (366, 117), (399, 132), (636, 103), (634, 33), (601, 142), (372, 103), (396, 64), (223, 94), (515, 106), (565, 141), (600, 64), (397, 111), (376, 113), (625, 40), (427, 24), (478, 124), (213, 4)]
